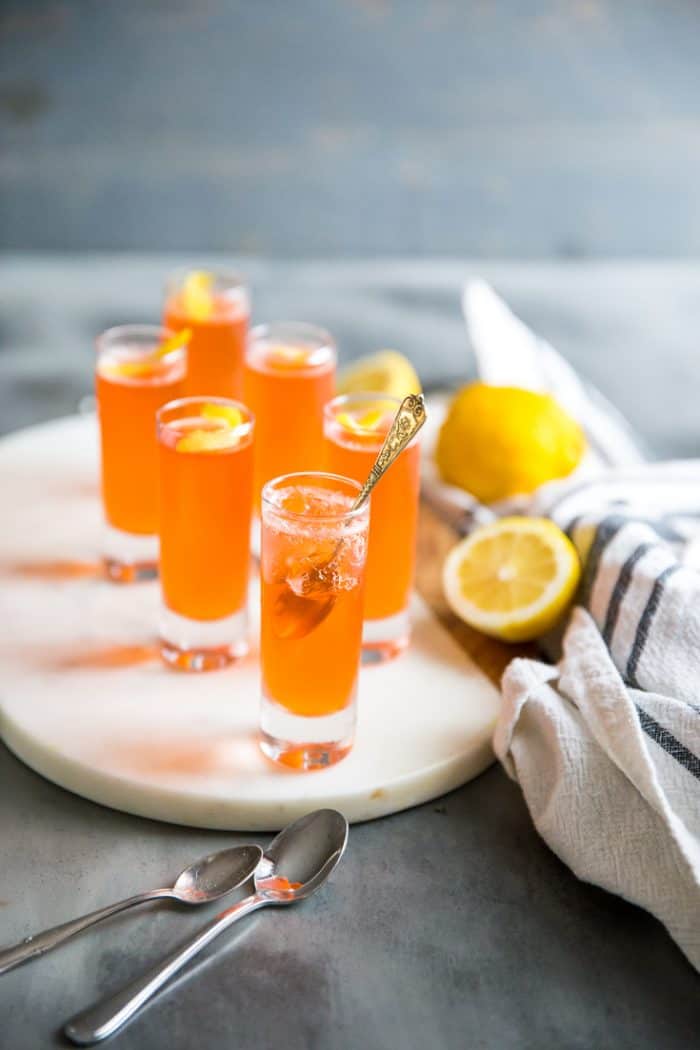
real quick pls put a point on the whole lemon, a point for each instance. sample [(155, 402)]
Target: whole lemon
[(500, 441)]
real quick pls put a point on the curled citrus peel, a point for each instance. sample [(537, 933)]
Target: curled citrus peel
[(286, 355), (198, 295), (361, 424), (231, 415), (222, 434), (145, 366)]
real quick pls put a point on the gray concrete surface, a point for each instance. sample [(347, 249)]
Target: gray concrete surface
[(450, 926), (516, 128)]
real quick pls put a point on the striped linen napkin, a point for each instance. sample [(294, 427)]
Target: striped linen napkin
[(606, 743)]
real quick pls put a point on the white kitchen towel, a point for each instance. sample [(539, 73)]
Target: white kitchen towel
[(606, 743), (638, 535), (611, 774)]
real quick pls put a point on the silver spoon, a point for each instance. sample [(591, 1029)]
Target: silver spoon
[(294, 865), (205, 881)]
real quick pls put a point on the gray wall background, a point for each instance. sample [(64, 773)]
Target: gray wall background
[(296, 128)]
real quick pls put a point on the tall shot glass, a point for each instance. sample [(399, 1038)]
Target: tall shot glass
[(314, 548), (355, 426), (206, 495), (289, 376), (215, 307), (131, 383)]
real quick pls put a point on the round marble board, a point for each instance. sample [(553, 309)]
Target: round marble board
[(85, 701)]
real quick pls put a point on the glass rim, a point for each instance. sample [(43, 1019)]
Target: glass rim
[(159, 332), (231, 279), (361, 395), (362, 439), (260, 332), (341, 516), (191, 399)]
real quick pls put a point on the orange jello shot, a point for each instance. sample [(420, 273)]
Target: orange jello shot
[(206, 493), (215, 306), (138, 369), (355, 427), (312, 580), (289, 376)]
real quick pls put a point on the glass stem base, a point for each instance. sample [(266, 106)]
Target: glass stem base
[(202, 645), (303, 742), (128, 556), (384, 639)]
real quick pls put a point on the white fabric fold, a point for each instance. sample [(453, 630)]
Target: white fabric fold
[(605, 745), (605, 786)]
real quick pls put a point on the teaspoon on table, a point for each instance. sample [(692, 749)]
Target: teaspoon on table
[(207, 880), (295, 864), (308, 599)]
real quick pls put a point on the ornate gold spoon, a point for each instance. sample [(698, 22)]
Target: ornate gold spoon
[(301, 607)]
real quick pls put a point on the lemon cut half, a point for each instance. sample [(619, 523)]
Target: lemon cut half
[(512, 579), (386, 372)]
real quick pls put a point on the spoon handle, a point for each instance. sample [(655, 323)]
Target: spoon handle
[(43, 942), (407, 422), (109, 1015)]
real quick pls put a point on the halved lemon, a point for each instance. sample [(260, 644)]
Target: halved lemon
[(512, 579), (386, 372)]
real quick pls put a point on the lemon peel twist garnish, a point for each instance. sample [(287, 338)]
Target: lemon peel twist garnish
[(197, 295), (229, 414), (145, 365), (367, 422)]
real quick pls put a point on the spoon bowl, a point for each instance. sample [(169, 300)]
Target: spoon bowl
[(301, 857), (215, 875), (205, 880)]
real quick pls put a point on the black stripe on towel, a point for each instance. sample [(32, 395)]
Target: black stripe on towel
[(606, 531), (644, 625), (571, 527), (620, 590), (669, 742)]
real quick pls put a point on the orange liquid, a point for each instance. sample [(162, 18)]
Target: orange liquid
[(127, 415), (393, 523), (205, 511), (287, 398), (317, 673), (216, 348)]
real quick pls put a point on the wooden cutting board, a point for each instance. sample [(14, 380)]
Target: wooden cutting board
[(435, 539), (85, 701)]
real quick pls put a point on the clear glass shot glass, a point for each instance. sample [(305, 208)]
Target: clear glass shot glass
[(215, 306), (314, 548), (289, 376), (355, 426), (131, 384), (206, 492)]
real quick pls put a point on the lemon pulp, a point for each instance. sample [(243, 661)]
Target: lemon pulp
[(512, 579)]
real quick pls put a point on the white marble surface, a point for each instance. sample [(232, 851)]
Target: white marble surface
[(85, 703)]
